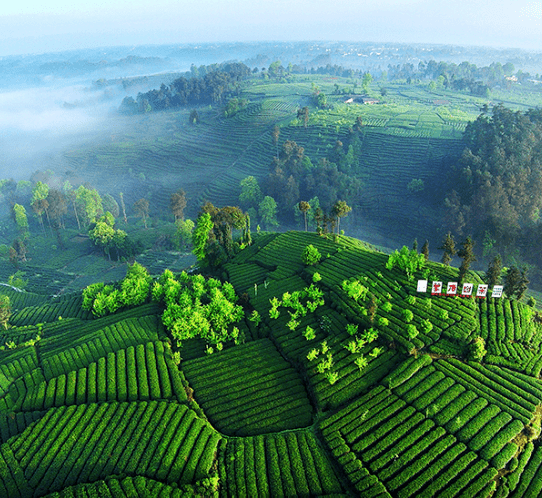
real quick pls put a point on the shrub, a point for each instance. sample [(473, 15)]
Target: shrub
[(408, 316), (311, 255), (412, 331)]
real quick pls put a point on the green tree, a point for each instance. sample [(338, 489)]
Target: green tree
[(366, 82), (177, 204), (448, 246), (194, 117), (311, 255), (71, 195), (110, 204), (141, 207), (275, 134), (425, 250), (39, 200), (339, 210), (5, 311), (250, 195), (408, 260), (303, 115), (516, 282), (304, 206), (21, 219), (183, 233), (136, 285), (267, 210), (90, 203), (466, 253), (494, 270), (200, 235)]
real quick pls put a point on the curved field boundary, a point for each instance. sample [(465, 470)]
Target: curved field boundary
[(242, 400)]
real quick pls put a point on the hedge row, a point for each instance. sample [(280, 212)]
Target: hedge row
[(90, 442), (141, 373), (242, 400)]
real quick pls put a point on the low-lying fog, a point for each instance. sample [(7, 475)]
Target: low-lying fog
[(36, 123)]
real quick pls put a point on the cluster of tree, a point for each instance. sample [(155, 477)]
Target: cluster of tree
[(133, 290), (213, 88), (496, 187), (212, 236), (194, 306), (457, 76), (515, 280), (111, 240), (293, 177)]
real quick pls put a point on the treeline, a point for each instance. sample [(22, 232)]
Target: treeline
[(495, 189), (214, 87)]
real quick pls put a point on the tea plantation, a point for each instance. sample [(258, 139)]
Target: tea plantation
[(338, 379)]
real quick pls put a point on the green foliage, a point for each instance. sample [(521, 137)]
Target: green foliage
[(415, 186), (5, 311), (355, 289), (405, 259), (448, 246), (412, 331), (351, 329), (18, 280), (183, 234), (255, 318), (477, 349), (311, 255), (20, 217), (516, 282), (250, 195), (267, 210), (196, 307), (407, 315), (132, 291), (309, 333), (200, 236)]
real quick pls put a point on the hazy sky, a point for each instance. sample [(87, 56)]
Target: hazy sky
[(37, 26)]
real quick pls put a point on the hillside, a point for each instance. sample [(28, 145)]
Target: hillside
[(356, 388)]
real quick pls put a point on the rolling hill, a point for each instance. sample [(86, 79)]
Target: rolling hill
[(349, 383)]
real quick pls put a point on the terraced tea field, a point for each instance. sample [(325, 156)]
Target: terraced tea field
[(330, 393)]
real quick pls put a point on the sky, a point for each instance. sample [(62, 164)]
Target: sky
[(38, 26)]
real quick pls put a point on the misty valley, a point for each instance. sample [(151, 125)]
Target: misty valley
[(209, 267)]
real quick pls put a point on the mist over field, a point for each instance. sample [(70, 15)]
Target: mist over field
[(38, 122)]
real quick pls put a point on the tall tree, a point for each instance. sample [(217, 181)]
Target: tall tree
[(21, 219), (200, 235), (304, 206), (57, 207), (141, 207), (425, 250), (267, 211), (90, 203), (516, 282), (123, 206), (177, 204), (466, 253), (5, 311), (339, 210), (303, 115), (275, 134), (111, 205), (494, 270), (71, 195), (39, 201), (448, 246), (250, 195)]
